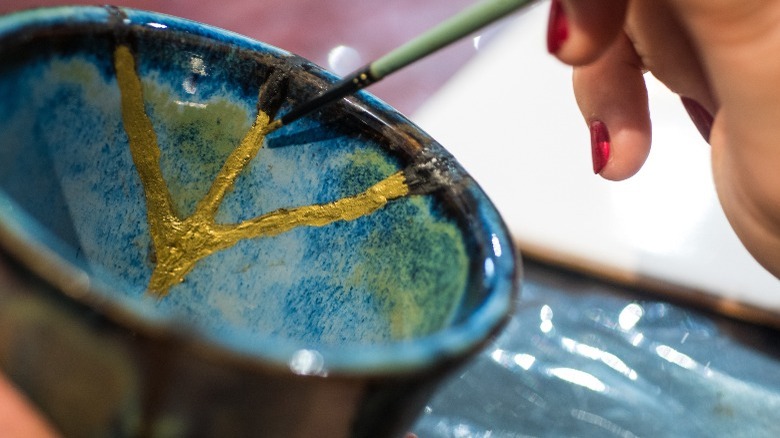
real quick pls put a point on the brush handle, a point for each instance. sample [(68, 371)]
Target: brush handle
[(469, 20), (349, 85)]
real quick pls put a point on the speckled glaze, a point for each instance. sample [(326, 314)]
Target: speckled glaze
[(334, 330)]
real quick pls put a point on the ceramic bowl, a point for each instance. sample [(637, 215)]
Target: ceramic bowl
[(170, 267)]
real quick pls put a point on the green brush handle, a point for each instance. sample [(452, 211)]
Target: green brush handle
[(457, 27), (469, 20)]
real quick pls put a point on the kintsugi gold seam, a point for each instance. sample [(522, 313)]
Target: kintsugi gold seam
[(180, 243)]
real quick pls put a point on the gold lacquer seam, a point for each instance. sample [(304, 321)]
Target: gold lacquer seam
[(179, 243)]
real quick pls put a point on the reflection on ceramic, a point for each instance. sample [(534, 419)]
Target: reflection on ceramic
[(579, 359), (354, 262)]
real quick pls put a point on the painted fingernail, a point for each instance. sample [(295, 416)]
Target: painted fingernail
[(599, 145), (557, 27), (699, 115)]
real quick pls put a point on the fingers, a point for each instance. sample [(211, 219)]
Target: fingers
[(739, 42), (580, 30), (721, 57), (18, 418), (623, 40), (612, 97), (666, 50), (608, 84)]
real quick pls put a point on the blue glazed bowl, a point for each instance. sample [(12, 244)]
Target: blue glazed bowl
[(172, 266)]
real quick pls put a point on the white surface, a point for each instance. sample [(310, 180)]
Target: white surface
[(510, 118)]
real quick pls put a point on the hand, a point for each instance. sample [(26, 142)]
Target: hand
[(721, 56), (18, 418)]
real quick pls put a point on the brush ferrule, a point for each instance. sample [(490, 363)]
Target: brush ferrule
[(362, 78), (350, 84)]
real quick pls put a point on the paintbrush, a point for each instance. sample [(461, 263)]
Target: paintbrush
[(466, 22)]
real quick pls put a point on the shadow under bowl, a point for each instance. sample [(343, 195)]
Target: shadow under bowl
[(168, 267)]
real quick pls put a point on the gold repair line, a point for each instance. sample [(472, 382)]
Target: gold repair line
[(234, 164), (143, 146), (273, 126), (208, 237), (344, 209), (180, 244)]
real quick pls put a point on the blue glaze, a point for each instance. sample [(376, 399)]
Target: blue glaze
[(425, 278), (580, 358)]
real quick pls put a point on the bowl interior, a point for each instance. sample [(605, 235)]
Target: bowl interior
[(136, 142)]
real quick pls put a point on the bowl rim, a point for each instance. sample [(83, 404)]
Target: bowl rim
[(25, 239)]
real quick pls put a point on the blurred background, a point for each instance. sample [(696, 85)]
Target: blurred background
[(606, 259), (340, 35)]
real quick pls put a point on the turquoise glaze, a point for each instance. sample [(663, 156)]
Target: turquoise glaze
[(582, 358), (421, 282)]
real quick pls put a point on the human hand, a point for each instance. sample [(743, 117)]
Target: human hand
[(721, 56), (18, 417)]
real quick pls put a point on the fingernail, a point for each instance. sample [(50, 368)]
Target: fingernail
[(699, 115), (599, 145), (557, 27)]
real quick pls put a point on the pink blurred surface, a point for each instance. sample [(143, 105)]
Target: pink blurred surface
[(314, 28)]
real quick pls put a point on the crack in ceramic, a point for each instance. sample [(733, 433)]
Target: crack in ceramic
[(179, 243)]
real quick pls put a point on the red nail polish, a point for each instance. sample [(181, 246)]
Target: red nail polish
[(599, 145), (557, 27), (699, 115)]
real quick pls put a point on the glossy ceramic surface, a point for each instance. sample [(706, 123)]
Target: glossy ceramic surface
[(134, 181), (586, 359)]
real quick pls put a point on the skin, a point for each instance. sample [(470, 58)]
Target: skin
[(722, 54), (17, 417)]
